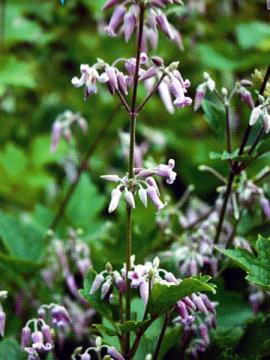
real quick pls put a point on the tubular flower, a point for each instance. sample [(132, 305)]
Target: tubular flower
[(125, 19), (143, 184)]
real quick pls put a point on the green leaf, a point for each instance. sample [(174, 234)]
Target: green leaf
[(10, 350), (16, 73), (228, 156), (215, 116), (105, 329), (164, 296), (94, 300), (84, 207), (257, 265), (255, 342), (21, 240), (134, 326), (252, 34)]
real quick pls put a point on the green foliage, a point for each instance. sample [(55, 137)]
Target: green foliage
[(215, 116), (10, 350), (253, 34), (257, 266), (162, 297)]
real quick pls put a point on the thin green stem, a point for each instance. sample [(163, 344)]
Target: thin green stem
[(82, 167), (149, 96), (161, 337), (133, 117), (228, 127), (224, 206)]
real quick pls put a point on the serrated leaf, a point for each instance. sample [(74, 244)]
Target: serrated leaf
[(21, 240), (257, 265), (215, 116), (162, 297)]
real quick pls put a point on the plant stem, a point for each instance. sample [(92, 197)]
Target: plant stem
[(133, 117), (224, 205), (2, 23), (152, 92), (236, 167), (82, 167), (228, 128), (248, 129), (161, 336)]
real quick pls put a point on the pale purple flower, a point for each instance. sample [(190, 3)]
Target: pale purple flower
[(60, 316), (85, 356), (167, 171), (25, 336), (144, 291), (153, 195), (99, 279), (109, 4), (2, 322), (166, 97), (105, 288), (266, 122), (115, 199), (255, 115), (130, 19), (164, 25), (143, 196), (247, 98), (115, 353), (46, 331), (89, 77), (56, 135), (130, 199), (265, 205), (268, 4), (137, 276), (199, 97), (116, 20)]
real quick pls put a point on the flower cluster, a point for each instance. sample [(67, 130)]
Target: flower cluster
[(143, 183), (125, 20), (98, 352), (69, 258), (3, 296), (143, 277), (62, 127), (194, 251), (196, 337), (249, 193), (38, 334), (169, 80)]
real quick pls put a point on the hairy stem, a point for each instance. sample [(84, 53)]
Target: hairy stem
[(133, 117), (82, 167)]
